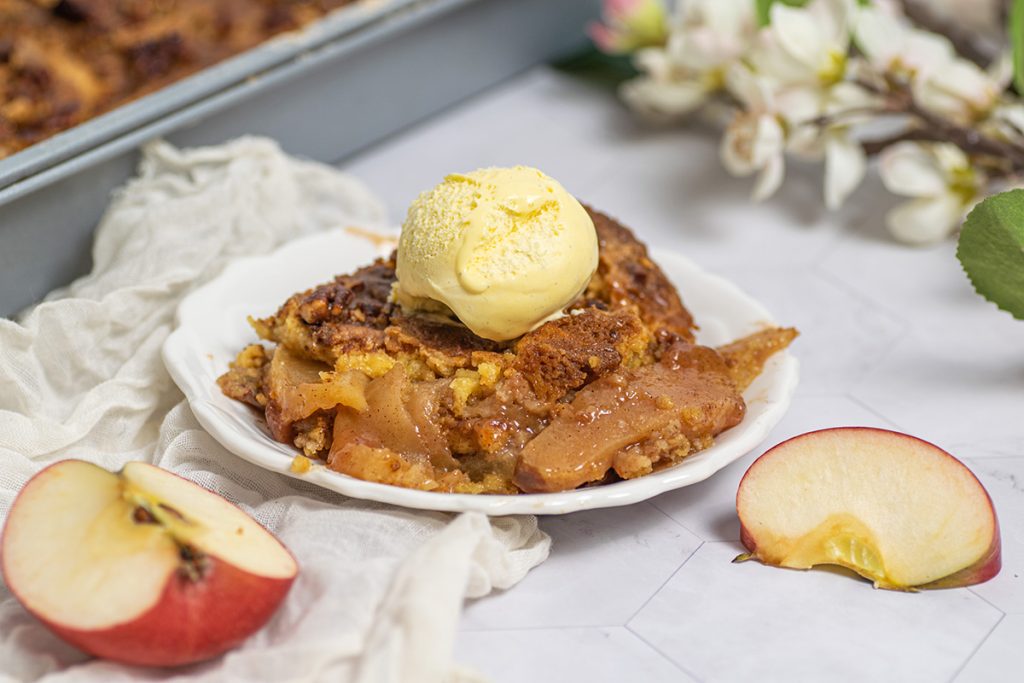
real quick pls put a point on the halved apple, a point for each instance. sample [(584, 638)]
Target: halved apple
[(140, 566), (893, 508)]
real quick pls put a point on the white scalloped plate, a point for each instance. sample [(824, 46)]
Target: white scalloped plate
[(212, 328)]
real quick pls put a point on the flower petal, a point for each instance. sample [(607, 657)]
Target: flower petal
[(843, 97), (1012, 115), (926, 221), (746, 87), (961, 91), (728, 18), (970, 82), (655, 62), (770, 179), (890, 43), (879, 36), (734, 150), (800, 104), (663, 99), (950, 158), (845, 165), (926, 52), (750, 142), (606, 40), (775, 63), (799, 34), (833, 20), (620, 10), (1001, 70), (711, 34), (909, 169)]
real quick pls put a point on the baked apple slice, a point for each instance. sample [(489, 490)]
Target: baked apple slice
[(140, 566), (893, 508)]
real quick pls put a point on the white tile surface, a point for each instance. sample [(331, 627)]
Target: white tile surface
[(998, 658), (739, 622), (596, 655), (891, 336), (843, 336), (954, 387), (929, 278), (604, 565)]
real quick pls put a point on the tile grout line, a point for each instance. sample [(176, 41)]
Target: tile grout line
[(663, 655), (631, 632), (844, 236), (546, 627), (863, 404), (664, 583), (988, 602), (860, 296), (967, 661), (677, 523), (906, 329)]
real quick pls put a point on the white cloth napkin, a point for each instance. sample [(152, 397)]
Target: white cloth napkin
[(381, 588)]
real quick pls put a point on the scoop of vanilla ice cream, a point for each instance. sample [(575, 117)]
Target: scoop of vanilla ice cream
[(504, 249)]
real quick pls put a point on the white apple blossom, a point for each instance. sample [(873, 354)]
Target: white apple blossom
[(706, 38), (798, 86), (834, 143), (845, 166), (754, 141), (940, 81), (802, 55), (893, 46), (942, 182), (961, 91), (805, 45), (1007, 121)]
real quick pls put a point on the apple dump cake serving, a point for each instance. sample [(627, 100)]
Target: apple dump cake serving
[(514, 342)]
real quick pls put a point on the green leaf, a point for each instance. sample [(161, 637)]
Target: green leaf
[(991, 250), (1017, 40), (590, 64)]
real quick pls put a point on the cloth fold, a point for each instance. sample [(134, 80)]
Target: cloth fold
[(381, 588)]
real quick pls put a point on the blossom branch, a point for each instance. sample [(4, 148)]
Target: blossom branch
[(812, 81), (930, 127)]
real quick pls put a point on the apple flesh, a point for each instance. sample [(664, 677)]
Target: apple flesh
[(140, 566), (893, 508)]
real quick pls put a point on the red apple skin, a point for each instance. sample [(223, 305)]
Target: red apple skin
[(984, 569), (192, 621)]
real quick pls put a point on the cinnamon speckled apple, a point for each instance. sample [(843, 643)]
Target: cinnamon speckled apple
[(895, 509), (140, 566)]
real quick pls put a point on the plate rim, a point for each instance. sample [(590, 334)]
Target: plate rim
[(183, 341)]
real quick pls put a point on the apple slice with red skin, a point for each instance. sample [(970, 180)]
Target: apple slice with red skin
[(895, 509), (140, 566)]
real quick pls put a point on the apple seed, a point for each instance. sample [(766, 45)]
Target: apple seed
[(194, 563), (143, 516)]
